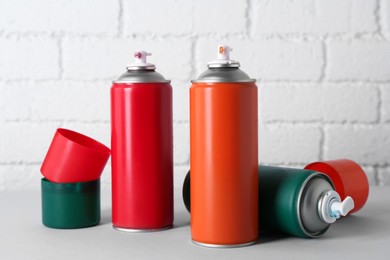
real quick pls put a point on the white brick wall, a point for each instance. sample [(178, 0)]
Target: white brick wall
[(330, 103), (355, 60), (315, 16), (323, 70), (29, 58), (56, 16)]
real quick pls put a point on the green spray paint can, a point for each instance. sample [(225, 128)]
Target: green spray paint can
[(297, 202)]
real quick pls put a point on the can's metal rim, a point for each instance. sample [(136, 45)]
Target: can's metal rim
[(234, 64), (132, 67), (224, 246), (217, 81), (133, 230), (141, 76), (135, 81), (315, 175)]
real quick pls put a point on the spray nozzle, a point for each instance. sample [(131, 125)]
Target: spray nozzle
[(224, 52), (331, 207), (140, 56), (223, 58), (140, 62), (341, 208)]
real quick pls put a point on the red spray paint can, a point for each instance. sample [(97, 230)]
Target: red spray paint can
[(142, 148)]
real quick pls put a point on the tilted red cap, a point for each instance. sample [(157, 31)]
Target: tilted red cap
[(73, 157), (348, 178)]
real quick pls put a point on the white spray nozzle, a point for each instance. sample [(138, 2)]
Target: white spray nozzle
[(342, 208), (331, 207), (140, 62), (140, 57), (224, 52), (223, 58)]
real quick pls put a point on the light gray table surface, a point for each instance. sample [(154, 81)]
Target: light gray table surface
[(364, 235)]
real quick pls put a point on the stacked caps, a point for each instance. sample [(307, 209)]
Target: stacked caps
[(71, 187)]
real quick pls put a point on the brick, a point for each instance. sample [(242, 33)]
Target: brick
[(289, 102), (272, 59), (157, 17), (358, 60), (101, 132), (20, 177), (181, 143), (26, 142), (371, 175), (219, 17), (368, 145), (349, 102), (385, 15), (385, 103), (315, 16), (384, 176), (28, 58), (289, 144), (87, 16), (15, 101), (313, 102), (97, 58), (181, 100), (71, 101)]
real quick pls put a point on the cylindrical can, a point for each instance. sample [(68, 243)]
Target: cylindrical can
[(297, 202), (348, 177), (223, 151), (142, 149)]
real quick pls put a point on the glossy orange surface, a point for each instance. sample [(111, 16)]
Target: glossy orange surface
[(224, 161)]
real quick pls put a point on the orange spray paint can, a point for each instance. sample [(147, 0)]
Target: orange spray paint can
[(224, 155)]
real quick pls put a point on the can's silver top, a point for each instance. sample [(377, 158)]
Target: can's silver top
[(141, 71), (223, 69), (310, 196)]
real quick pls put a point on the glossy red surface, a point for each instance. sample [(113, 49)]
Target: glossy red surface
[(142, 155), (348, 178), (73, 157)]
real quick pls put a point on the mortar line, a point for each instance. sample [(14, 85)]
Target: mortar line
[(378, 18), (324, 66), (379, 107), (193, 70), (248, 18), (120, 19), (376, 175), (60, 58), (322, 143)]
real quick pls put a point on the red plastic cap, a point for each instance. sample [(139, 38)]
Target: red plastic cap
[(73, 157), (348, 178)]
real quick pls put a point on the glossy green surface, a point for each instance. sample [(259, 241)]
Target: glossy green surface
[(70, 205), (279, 190)]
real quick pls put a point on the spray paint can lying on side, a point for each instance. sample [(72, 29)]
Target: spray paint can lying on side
[(297, 202), (142, 148)]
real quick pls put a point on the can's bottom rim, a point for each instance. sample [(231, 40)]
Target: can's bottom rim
[(134, 230), (224, 246)]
